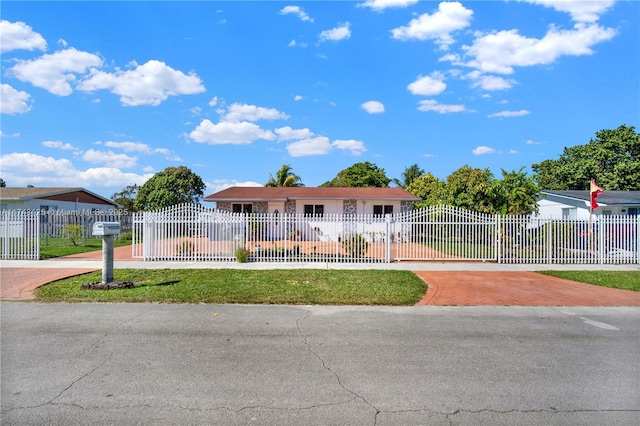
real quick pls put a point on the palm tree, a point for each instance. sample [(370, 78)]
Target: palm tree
[(410, 174), (284, 177)]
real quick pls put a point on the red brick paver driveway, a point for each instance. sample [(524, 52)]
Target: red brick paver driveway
[(473, 288)]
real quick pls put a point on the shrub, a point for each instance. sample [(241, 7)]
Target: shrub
[(73, 232), (126, 236), (242, 255), (355, 245)]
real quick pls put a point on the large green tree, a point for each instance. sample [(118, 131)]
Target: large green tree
[(429, 188), (612, 159), (518, 193), (173, 185), (3, 184), (284, 177), (410, 174), (360, 175), (472, 189), (127, 197)]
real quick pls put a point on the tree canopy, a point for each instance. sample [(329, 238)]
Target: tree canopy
[(284, 177), (127, 197), (429, 188), (360, 175), (173, 185), (612, 159), (3, 184), (410, 174), (478, 190)]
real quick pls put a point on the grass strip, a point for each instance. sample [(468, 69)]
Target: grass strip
[(295, 287), (56, 247), (625, 280)]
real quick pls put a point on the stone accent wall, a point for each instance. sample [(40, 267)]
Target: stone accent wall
[(349, 207), (260, 207), (290, 207), (224, 206)]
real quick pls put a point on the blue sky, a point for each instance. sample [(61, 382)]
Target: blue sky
[(102, 95)]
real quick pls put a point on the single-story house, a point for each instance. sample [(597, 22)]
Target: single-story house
[(576, 204), (313, 201), (31, 198)]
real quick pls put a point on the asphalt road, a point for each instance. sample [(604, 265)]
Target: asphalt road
[(154, 364)]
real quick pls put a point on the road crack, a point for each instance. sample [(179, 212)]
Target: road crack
[(329, 369)]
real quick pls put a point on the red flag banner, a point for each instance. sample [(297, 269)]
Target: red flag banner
[(595, 191)]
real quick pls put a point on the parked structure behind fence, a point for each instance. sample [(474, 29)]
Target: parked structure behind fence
[(438, 233)]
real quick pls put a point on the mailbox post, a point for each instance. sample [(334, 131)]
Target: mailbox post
[(108, 231)]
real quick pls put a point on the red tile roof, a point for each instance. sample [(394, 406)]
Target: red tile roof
[(241, 193)]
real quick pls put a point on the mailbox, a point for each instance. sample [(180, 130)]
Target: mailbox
[(106, 228)]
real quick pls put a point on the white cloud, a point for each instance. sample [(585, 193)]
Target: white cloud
[(450, 17), (23, 169), (213, 102), (532, 142), (307, 147), (296, 10), (18, 35), (433, 105), (507, 114), (297, 98), (373, 107), (513, 151), (380, 5), (54, 72), (148, 84), (226, 132), (59, 145), (501, 51), (482, 150), (354, 146), (489, 82), (219, 184), (336, 34), (580, 11), (428, 85), (287, 133), (140, 147), (244, 112), (110, 159), (13, 101)]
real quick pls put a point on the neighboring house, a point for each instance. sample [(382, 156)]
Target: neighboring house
[(575, 204), (76, 199), (313, 201)]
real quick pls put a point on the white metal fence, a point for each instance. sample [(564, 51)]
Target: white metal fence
[(23, 232), (439, 233), (19, 234)]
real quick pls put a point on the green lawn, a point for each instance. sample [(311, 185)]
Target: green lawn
[(56, 247), (626, 280), (296, 287)]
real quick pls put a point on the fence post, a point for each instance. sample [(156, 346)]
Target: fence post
[(601, 239), (387, 238), (498, 240), (638, 239)]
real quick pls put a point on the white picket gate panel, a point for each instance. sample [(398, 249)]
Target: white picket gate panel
[(19, 235), (437, 233)]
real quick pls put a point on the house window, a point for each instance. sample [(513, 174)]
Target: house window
[(242, 208), (570, 213), (314, 210), (380, 210), (4, 207), (633, 211), (607, 212)]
